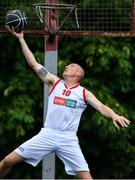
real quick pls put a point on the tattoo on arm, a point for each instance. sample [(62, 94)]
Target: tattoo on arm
[(43, 72)]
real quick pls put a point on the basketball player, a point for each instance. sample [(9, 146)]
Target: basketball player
[(67, 101)]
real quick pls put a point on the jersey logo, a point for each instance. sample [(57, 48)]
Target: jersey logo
[(71, 103), (65, 102), (59, 101)]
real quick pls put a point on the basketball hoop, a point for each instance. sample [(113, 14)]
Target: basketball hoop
[(40, 6)]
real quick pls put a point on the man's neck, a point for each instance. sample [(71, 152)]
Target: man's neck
[(71, 82)]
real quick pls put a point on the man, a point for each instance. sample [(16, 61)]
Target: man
[(67, 101)]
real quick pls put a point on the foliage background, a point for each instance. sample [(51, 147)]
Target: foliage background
[(109, 65)]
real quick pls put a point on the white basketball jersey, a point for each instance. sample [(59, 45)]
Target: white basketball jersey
[(65, 106)]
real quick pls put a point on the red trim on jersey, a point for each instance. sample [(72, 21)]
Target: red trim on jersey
[(75, 86), (54, 86), (84, 95), (66, 86)]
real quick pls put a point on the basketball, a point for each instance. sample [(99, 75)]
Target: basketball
[(17, 20)]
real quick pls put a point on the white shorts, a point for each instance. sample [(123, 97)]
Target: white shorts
[(64, 144)]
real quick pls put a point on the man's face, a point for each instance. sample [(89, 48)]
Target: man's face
[(71, 70)]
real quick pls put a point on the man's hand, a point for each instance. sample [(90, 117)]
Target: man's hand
[(18, 35), (120, 121)]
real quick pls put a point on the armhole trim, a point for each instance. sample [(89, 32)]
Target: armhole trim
[(84, 96), (55, 84)]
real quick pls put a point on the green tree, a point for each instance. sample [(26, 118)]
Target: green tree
[(109, 65)]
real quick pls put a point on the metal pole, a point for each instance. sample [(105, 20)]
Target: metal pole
[(50, 61)]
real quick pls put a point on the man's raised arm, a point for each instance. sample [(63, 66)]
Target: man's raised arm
[(41, 71)]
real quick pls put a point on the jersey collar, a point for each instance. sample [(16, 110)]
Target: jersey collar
[(72, 87)]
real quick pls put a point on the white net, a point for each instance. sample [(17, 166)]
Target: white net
[(100, 17)]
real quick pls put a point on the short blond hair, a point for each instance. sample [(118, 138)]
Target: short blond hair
[(81, 70), (82, 73)]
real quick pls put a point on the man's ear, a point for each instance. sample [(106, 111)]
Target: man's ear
[(78, 74)]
